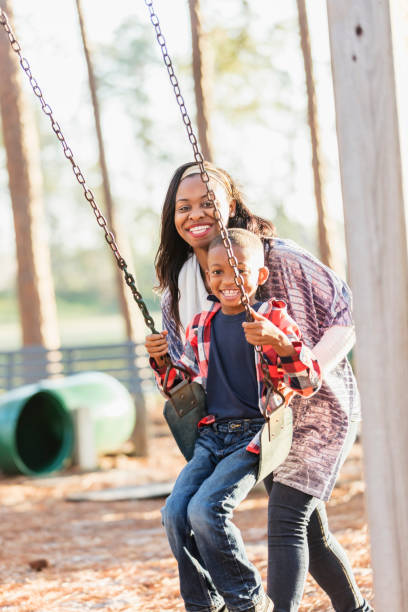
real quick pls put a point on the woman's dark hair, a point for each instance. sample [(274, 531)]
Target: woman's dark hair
[(173, 251)]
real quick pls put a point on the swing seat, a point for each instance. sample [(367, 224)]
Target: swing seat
[(183, 410), (276, 440)]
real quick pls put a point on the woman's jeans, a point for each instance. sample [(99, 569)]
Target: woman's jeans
[(213, 566), (299, 540)]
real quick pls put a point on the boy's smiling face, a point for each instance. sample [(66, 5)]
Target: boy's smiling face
[(221, 277)]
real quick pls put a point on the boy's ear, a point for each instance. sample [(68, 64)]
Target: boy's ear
[(207, 275), (263, 275)]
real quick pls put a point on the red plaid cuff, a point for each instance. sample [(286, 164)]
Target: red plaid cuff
[(161, 370), (298, 362), (253, 447)]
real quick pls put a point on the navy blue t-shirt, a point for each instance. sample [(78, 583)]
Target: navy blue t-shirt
[(232, 388)]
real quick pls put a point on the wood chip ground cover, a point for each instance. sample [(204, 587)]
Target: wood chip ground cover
[(60, 556)]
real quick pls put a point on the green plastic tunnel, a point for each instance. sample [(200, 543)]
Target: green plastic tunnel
[(36, 421)]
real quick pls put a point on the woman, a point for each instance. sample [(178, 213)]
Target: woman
[(320, 302)]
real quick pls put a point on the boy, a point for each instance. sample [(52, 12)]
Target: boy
[(215, 573)]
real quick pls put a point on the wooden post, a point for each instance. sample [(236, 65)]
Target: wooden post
[(202, 80), (38, 311), (141, 433), (85, 455), (367, 130), (325, 244)]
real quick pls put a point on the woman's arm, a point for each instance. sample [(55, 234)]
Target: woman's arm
[(173, 337), (316, 297), (333, 347), (187, 360)]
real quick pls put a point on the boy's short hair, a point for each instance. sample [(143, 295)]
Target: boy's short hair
[(243, 239)]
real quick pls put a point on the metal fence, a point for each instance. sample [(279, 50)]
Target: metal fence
[(127, 362)]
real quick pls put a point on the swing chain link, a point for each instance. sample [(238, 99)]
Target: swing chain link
[(89, 196), (232, 260)]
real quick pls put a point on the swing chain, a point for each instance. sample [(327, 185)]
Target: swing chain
[(89, 196), (101, 220), (232, 260)]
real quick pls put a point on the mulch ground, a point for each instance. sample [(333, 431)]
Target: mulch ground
[(58, 555)]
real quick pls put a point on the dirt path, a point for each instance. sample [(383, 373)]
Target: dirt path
[(114, 555)]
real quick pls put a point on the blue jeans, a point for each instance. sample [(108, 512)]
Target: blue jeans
[(213, 567), (299, 540)]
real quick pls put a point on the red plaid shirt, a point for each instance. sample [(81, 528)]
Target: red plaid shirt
[(298, 374)]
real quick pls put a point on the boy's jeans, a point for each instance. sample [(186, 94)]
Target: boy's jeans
[(213, 566)]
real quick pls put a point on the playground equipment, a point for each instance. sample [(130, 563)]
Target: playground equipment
[(37, 425)]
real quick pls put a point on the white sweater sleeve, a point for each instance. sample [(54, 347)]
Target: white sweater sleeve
[(333, 346)]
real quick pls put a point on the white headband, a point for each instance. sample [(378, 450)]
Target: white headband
[(213, 174)]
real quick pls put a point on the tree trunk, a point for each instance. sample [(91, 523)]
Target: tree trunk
[(38, 312), (133, 319), (202, 80), (367, 132), (133, 323), (326, 254)]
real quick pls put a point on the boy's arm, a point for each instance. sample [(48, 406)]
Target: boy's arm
[(301, 370), (188, 361), (289, 359)]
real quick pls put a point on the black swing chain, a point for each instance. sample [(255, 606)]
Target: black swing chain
[(89, 196), (232, 260)]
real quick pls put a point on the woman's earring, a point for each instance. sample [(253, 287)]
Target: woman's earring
[(232, 214)]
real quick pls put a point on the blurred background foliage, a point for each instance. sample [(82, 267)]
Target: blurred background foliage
[(260, 135)]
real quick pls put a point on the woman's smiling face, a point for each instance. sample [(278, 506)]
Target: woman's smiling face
[(194, 214)]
